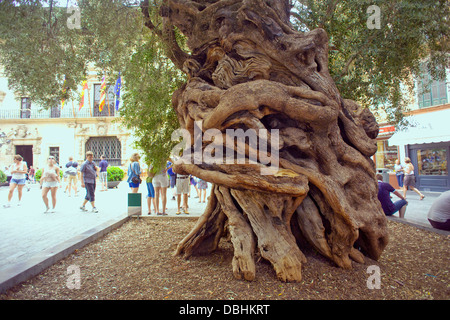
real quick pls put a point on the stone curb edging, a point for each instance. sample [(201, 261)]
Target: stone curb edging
[(13, 275), (419, 225)]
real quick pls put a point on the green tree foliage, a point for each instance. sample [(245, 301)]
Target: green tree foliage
[(376, 66), (150, 81), (42, 52), (38, 51)]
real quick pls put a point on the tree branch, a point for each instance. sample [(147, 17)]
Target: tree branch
[(167, 36)]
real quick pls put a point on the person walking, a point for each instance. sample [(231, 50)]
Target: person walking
[(50, 181), (18, 172), (134, 173), (410, 179), (103, 173), (88, 178)]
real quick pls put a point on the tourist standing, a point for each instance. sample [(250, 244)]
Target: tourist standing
[(182, 186), (103, 173), (88, 173), (161, 183), (399, 173), (202, 186), (71, 174), (50, 181), (150, 191), (134, 173), (18, 172)]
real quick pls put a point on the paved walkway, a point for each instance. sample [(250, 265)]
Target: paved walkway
[(26, 230), (417, 209)]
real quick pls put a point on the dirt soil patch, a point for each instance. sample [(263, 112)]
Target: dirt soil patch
[(136, 262)]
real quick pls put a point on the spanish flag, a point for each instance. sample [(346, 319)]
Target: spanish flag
[(85, 86), (102, 95)]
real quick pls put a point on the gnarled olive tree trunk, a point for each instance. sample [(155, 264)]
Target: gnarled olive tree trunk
[(250, 70)]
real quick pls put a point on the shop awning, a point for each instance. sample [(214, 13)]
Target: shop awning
[(432, 127)]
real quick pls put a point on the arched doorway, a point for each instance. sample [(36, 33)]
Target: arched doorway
[(110, 147)]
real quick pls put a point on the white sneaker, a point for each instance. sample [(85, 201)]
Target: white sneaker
[(8, 205), (95, 210), (47, 210), (19, 204)]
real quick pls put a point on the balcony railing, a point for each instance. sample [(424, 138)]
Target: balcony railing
[(55, 113)]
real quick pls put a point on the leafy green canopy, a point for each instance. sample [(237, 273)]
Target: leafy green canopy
[(376, 66), (38, 51), (46, 47), (150, 81), (43, 50)]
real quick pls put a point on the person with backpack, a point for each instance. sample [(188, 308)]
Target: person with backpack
[(71, 173)]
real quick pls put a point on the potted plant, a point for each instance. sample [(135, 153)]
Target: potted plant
[(115, 175)]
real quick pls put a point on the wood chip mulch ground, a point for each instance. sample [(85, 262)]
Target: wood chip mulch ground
[(136, 261)]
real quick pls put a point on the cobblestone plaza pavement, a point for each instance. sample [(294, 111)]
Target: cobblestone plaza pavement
[(26, 230)]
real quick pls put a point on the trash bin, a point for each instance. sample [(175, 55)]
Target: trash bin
[(134, 204), (385, 173)]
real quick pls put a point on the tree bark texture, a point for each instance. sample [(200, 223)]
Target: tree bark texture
[(248, 69)]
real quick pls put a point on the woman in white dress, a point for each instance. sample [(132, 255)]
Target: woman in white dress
[(50, 181)]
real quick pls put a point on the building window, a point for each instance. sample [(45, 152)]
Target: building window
[(54, 151), (55, 112), (108, 109), (431, 92), (110, 147), (432, 162), (25, 108), (386, 155)]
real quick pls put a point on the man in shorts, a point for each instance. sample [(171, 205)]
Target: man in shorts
[(384, 196), (182, 186), (88, 172)]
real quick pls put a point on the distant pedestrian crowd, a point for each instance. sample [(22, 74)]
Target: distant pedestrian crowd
[(158, 180)]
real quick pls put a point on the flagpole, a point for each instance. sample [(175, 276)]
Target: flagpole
[(107, 101), (89, 101), (73, 109)]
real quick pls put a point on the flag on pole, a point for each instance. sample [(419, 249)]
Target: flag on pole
[(85, 86), (117, 91), (102, 94)]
